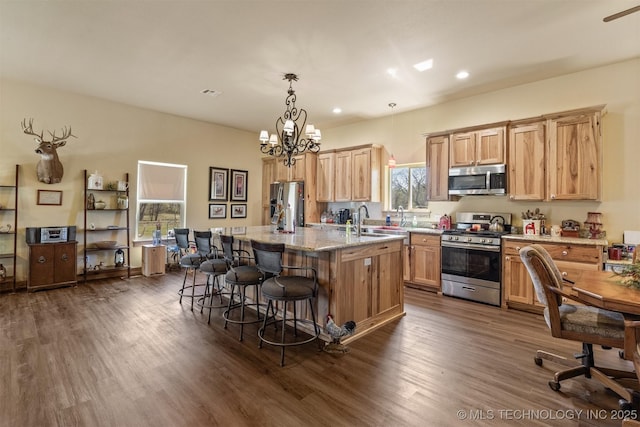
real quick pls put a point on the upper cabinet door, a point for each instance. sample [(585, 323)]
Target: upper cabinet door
[(438, 168), (490, 145), (463, 149), (575, 157), (361, 175), (326, 174), (297, 170), (343, 176), (527, 168)]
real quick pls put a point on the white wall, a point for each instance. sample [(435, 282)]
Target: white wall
[(617, 86), (111, 138)]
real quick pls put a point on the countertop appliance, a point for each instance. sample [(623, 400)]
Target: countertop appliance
[(50, 234), (475, 180), (471, 257), (288, 194)]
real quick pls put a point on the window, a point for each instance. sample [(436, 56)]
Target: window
[(407, 186), (162, 193)]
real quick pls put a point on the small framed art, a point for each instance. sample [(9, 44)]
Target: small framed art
[(50, 197), (218, 178), (238, 185), (217, 210), (239, 211)]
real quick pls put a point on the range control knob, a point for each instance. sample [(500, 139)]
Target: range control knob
[(483, 241), (469, 239)]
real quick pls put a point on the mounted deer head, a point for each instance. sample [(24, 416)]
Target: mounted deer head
[(49, 168)]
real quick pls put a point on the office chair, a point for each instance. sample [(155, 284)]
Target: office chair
[(577, 322)]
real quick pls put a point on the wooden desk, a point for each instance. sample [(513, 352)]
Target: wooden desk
[(603, 289)]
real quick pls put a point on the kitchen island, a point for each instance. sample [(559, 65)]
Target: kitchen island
[(359, 278)]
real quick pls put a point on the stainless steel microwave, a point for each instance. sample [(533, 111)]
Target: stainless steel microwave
[(490, 179)]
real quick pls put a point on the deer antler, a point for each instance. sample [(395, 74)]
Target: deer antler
[(29, 129), (66, 134)]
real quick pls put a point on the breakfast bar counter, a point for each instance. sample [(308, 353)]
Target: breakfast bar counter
[(360, 278)]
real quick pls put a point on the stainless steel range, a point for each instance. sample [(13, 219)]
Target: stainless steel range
[(471, 258)]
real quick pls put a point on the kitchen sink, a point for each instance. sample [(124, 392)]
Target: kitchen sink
[(396, 231)]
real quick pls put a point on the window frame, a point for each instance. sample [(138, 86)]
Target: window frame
[(409, 208), (139, 201)]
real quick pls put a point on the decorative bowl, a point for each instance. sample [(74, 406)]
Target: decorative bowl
[(106, 244)]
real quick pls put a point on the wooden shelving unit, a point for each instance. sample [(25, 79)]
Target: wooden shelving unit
[(9, 216), (91, 235)]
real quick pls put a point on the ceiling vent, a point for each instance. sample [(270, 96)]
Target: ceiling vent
[(211, 92)]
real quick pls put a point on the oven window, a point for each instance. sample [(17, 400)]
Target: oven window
[(472, 263)]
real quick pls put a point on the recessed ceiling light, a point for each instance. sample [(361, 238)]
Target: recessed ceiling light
[(462, 75), (424, 65), (337, 110), (211, 92), (393, 72)]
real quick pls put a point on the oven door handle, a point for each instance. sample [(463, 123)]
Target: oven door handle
[(471, 246)]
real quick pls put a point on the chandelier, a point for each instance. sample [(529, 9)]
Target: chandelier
[(288, 141)]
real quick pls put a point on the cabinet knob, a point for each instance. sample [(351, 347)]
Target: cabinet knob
[(565, 253), (512, 197), (507, 258), (42, 259), (518, 248), (553, 196), (564, 274), (64, 257)]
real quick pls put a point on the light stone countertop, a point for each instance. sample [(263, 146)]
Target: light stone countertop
[(307, 238), (549, 239), (330, 226)]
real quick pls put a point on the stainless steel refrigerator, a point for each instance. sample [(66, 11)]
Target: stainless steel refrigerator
[(288, 194)]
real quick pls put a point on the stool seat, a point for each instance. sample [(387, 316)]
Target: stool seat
[(244, 275), (288, 288), (212, 268)]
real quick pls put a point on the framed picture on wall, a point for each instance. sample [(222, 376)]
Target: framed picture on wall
[(49, 197), (238, 185), (217, 210), (218, 178), (239, 211)]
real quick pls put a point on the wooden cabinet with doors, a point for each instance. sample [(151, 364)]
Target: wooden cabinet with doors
[(51, 265), (438, 167), (326, 177), (556, 157), (571, 259), (358, 174), (473, 147), (575, 155), (527, 161), (425, 258)]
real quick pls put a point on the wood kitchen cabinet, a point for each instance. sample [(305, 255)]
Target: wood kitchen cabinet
[(358, 174), (556, 156), (478, 147), (527, 161), (575, 156), (52, 265), (571, 259), (326, 177), (438, 167), (424, 263)]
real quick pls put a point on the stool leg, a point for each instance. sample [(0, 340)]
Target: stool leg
[(184, 281), (243, 291), (284, 323), (193, 289), (226, 313)]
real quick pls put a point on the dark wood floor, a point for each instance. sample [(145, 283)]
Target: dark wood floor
[(126, 353)]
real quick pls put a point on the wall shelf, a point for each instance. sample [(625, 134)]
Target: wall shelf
[(8, 240)]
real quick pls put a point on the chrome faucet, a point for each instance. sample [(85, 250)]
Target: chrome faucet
[(401, 210), (361, 219)]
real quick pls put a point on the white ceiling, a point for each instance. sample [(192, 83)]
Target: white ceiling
[(161, 54)]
